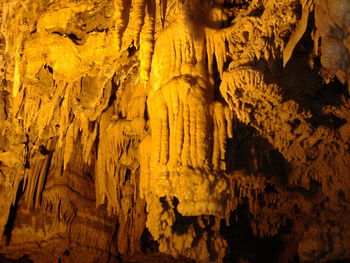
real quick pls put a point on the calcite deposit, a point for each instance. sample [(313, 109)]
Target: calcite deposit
[(174, 130)]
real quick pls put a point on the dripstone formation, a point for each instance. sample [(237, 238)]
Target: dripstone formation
[(174, 130)]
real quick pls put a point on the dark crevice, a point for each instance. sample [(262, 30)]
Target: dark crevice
[(23, 259), (251, 152), (98, 30), (48, 68), (44, 151), (182, 223), (127, 175), (12, 214), (27, 156), (164, 203), (244, 246), (57, 33), (148, 245), (112, 98), (257, 12), (131, 51), (237, 3), (73, 37), (76, 40)]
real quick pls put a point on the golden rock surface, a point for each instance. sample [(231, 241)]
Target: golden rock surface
[(199, 129)]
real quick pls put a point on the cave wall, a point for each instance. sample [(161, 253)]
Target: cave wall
[(202, 130)]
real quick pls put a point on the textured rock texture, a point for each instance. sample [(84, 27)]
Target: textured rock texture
[(174, 130)]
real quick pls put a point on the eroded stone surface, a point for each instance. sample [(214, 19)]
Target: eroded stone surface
[(132, 127)]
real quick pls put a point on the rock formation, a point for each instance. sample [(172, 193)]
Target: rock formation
[(174, 130)]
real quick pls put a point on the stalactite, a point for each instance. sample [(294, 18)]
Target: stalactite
[(145, 157), (119, 13), (35, 177), (71, 136), (139, 11), (222, 131), (299, 31), (215, 45), (146, 41), (17, 73), (115, 138)]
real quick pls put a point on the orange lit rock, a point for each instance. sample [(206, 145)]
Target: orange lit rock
[(152, 130)]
